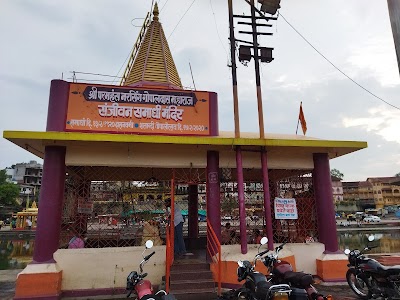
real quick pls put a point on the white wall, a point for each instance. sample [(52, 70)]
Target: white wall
[(106, 267)]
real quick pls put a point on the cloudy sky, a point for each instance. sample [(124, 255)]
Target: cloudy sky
[(45, 39)]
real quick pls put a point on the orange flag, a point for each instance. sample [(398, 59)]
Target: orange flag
[(302, 120)]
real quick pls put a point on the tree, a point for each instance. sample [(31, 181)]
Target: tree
[(337, 173), (8, 191), (397, 175)]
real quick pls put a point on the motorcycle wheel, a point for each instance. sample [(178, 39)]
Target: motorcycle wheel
[(357, 284)]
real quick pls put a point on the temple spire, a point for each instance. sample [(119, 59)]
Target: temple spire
[(153, 65)]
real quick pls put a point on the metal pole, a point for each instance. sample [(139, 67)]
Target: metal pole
[(257, 69), (233, 65), (394, 14)]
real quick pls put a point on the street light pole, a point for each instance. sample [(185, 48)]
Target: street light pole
[(257, 70), (233, 66), (394, 14)]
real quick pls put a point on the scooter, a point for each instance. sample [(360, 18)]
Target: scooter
[(281, 272), (143, 289), (256, 286), (368, 278)]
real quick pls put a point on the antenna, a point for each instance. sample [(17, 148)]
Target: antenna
[(190, 66)]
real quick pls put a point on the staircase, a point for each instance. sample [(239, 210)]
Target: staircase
[(191, 279)]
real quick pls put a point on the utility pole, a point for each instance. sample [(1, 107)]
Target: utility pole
[(233, 66), (257, 69), (394, 14)]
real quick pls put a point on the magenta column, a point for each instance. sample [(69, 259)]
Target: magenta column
[(50, 205), (324, 203), (242, 207), (193, 212), (267, 199), (213, 192), (58, 102)]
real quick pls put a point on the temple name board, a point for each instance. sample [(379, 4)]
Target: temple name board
[(98, 108)]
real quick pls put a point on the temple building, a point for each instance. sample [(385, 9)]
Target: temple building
[(112, 155)]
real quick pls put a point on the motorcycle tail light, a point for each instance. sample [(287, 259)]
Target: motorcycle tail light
[(329, 297), (280, 296)]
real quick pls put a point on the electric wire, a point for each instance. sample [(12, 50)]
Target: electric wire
[(337, 68), (216, 27), (182, 18), (164, 5)]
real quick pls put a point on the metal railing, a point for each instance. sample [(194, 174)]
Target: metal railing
[(169, 260), (214, 251)]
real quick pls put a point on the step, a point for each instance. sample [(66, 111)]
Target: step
[(194, 284), (201, 294), (177, 275), (182, 267)]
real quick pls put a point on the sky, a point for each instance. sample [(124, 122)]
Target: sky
[(43, 40)]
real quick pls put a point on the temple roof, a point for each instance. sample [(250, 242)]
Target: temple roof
[(153, 64)]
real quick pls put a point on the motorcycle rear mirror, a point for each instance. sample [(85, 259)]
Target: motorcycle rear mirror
[(371, 238), (347, 251), (264, 240), (149, 244)]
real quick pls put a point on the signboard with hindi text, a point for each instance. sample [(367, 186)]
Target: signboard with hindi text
[(114, 109), (285, 209)]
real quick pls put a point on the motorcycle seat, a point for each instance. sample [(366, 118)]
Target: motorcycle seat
[(298, 279), (392, 269)]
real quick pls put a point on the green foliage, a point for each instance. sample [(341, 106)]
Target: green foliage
[(3, 176), (337, 173), (397, 175), (8, 191)]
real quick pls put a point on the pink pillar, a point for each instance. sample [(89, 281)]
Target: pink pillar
[(58, 102), (267, 199), (242, 207), (213, 192), (193, 212), (50, 205), (324, 203)]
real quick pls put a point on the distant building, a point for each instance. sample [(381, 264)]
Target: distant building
[(337, 189), (375, 192), (386, 190), (29, 178)]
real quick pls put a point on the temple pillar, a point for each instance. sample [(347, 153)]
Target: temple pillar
[(324, 202), (242, 206), (193, 212), (58, 103), (332, 265), (267, 199), (42, 278), (213, 192)]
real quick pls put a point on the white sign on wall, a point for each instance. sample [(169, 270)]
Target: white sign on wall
[(285, 209)]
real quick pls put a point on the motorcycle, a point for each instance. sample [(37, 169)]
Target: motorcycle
[(281, 272), (143, 289), (370, 279), (257, 287)]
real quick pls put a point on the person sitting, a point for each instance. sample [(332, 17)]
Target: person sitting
[(257, 236), (226, 234), (78, 241)]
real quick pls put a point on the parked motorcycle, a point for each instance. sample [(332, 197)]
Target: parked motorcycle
[(143, 289), (281, 272), (257, 287), (370, 279)]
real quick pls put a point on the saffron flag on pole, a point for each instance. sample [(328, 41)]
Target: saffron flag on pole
[(302, 119)]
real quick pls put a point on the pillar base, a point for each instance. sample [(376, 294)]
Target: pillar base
[(332, 267), (39, 281)]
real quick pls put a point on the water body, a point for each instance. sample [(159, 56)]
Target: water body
[(16, 250)]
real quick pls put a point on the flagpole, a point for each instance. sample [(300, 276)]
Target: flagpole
[(298, 118)]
